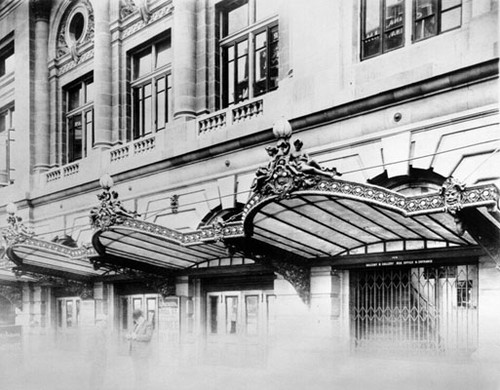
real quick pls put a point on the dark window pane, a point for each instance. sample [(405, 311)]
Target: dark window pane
[(425, 8), (169, 98), (237, 18), (7, 60), (394, 14), (89, 131), (371, 42), (75, 138), (213, 314), (69, 314), (425, 28), (160, 104), (124, 313), (163, 53), (74, 97)]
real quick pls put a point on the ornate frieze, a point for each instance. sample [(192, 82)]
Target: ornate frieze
[(82, 289), (110, 211), (128, 7), (156, 15), (288, 170)]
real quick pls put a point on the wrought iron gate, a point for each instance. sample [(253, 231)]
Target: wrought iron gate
[(415, 310)]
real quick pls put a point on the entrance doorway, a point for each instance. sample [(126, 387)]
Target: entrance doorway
[(417, 310), (148, 303), (68, 322), (238, 326)]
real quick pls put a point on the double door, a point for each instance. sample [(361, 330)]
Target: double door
[(239, 325)]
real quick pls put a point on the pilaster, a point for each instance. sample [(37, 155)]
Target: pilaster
[(41, 11), (102, 76), (184, 59)]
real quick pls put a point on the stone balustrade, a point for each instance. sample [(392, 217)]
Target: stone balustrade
[(247, 111), (64, 171), (237, 114), (119, 153), (212, 123)]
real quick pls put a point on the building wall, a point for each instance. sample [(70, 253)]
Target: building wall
[(414, 97)]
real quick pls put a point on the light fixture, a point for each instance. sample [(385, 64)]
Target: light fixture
[(106, 181), (11, 208), (282, 128)]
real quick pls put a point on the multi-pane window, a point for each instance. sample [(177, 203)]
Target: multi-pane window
[(6, 127), (79, 99), (382, 26), (249, 39), (383, 22), (7, 59), (432, 17), (151, 88)]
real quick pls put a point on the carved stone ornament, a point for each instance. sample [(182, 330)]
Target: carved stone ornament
[(15, 232), (128, 7), (66, 40), (452, 191), (288, 170), (110, 211)]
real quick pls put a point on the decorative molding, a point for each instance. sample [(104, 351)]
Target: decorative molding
[(294, 269), (82, 289), (72, 64), (110, 211), (64, 44), (128, 7), (139, 25), (16, 232), (288, 171)]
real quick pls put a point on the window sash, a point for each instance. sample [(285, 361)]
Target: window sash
[(80, 134), (432, 23), (388, 34), (151, 105)]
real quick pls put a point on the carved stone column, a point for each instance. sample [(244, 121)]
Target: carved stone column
[(184, 54), (102, 75), (41, 12)]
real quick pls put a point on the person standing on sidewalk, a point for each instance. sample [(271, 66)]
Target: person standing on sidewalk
[(140, 348)]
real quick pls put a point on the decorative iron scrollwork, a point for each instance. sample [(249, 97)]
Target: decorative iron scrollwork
[(110, 211), (288, 170), (293, 270), (83, 289)]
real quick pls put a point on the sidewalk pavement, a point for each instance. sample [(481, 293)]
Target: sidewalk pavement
[(56, 370)]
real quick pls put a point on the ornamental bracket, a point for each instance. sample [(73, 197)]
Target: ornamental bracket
[(452, 191), (288, 170), (110, 211), (16, 232)]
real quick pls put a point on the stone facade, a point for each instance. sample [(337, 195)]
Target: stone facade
[(430, 105)]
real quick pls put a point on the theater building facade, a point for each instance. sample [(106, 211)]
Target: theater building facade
[(261, 181)]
